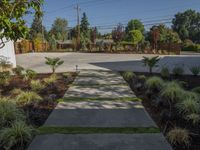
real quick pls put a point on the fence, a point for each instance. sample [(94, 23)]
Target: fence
[(26, 46)]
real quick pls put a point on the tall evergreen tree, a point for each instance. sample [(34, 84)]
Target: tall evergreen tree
[(84, 27)]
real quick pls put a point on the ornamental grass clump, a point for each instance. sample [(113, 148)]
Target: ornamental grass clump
[(52, 79), (5, 78), (193, 118), (29, 74), (196, 90), (179, 136), (154, 83), (173, 92), (195, 70), (36, 85), (16, 135), (178, 71), (128, 75), (26, 98), (165, 73), (18, 70), (188, 106), (9, 112)]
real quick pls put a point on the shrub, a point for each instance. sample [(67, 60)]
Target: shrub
[(188, 106), (192, 95), (165, 72), (9, 112), (17, 135), (154, 83), (50, 80), (26, 98), (54, 63), (36, 85), (15, 92), (178, 136), (4, 77), (29, 74), (18, 70), (178, 71), (195, 70), (128, 75), (194, 118), (151, 62), (172, 91), (196, 90), (142, 77)]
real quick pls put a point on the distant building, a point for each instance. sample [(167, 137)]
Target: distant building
[(9, 52)]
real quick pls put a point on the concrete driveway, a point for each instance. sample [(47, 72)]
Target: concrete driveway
[(117, 62)]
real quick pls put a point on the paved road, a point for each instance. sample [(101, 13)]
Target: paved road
[(115, 62)]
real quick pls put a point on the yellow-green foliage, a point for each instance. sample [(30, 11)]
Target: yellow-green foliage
[(194, 118), (16, 135), (15, 92), (165, 72), (173, 92), (188, 106), (128, 75), (50, 80), (36, 85), (18, 70), (178, 136), (30, 74), (9, 112), (26, 98), (4, 77), (155, 83)]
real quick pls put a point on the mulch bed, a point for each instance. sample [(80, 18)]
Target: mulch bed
[(38, 113), (190, 82)]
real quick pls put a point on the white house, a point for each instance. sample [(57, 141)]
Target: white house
[(9, 52)]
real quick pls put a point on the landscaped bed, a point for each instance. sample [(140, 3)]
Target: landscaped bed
[(173, 101)]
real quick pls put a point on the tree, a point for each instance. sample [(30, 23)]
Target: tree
[(93, 35), (12, 23), (136, 37), (54, 63), (155, 36), (85, 31), (133, 25), (59, 29), (186, 24), (37, 28), (151, 62), (118, 34)]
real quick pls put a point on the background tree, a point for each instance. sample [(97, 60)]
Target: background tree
[(12, 22), (155, 36), (186, 24), (93, 35), (85, 31), (37, 28), (118, 34), (136, 37), (59, 29), (134, 25)]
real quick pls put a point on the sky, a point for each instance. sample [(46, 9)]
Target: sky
[(109, 13)]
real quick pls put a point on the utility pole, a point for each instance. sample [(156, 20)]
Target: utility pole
[(78, 9)]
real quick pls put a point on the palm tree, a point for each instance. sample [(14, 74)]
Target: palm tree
[(54, 63), (151, 62)]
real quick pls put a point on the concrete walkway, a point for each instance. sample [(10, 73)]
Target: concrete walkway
[(102, 111)]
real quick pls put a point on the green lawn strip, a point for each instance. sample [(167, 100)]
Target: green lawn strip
[(97, 85), (79, 99), (96, 130)]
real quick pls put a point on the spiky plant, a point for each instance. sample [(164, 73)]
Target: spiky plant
[(4, 77), (178, 71), (18, 70), (128, 75), (16, 92), (151, 62), (50, 80), (9, 112), (194, 118), (179, 136), (16, 135), (188, 106), (172, 91), (54, 63), (30, 74), (196, 90), (36, 85), (154, 83), (165, 73), (195, 70), (26, 98)]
